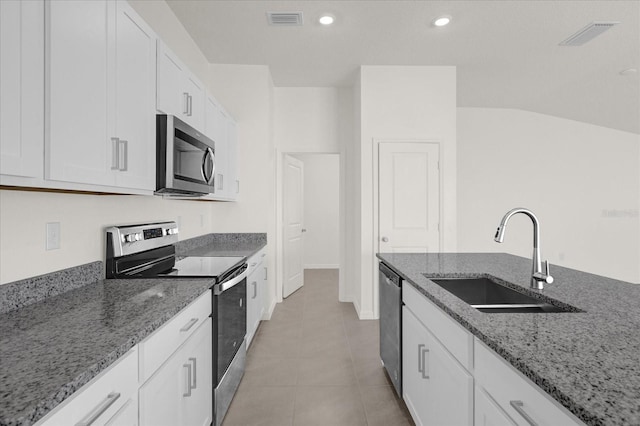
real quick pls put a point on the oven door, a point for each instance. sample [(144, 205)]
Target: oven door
[(230, 320), (186, 158)]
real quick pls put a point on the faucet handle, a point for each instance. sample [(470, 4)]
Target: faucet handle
[(548, 278)]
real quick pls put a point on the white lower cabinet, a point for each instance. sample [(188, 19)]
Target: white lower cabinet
[(180, 392), (488, 412), (517, 396), (452, 378), (256, 289), (436, 388), (109, 399)]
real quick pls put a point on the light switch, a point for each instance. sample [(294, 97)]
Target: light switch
[(53, 236)]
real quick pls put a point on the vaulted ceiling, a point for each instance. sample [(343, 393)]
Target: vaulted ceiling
[(507, 52)]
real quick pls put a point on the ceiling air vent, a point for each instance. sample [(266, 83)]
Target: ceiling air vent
[(588, 33), (284, 19)]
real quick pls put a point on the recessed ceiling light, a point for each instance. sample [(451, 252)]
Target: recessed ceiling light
[(327, 19), (441, 21)]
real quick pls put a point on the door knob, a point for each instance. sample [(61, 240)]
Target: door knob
[(385, 240)]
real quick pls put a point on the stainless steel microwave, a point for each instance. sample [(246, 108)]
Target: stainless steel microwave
[(186, 161)]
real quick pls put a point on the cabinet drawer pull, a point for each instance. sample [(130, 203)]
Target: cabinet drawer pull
[(253, 264), (519, 407), (195, 373), (255, 289), (190, 324), (99, 410), (422, 362), (188, 376)]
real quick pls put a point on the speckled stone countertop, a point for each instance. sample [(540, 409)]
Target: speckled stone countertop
[(49, 349), (588, 361), (238, 244), (59, 330)]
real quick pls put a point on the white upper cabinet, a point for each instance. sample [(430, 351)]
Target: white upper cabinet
[(221, 128), (233, 185), (179, 93), (101, 81), (21, 87), (135, 99)]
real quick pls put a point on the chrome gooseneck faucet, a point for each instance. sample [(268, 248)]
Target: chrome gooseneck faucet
[(538, 278)]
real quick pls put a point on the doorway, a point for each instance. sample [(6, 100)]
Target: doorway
[(311, 217)]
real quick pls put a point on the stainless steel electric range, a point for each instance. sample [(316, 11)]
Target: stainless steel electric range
[(148, 251)]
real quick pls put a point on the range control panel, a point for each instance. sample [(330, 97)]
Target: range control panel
[(130, 239)]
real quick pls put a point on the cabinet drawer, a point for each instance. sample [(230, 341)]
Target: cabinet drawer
[(508, 387), (452, 335), (101, 399), (158, 347)]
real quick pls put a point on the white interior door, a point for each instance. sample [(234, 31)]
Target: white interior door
[(408, 197), (293, 208)]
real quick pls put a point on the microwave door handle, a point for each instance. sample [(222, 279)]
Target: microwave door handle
[(208, 179)]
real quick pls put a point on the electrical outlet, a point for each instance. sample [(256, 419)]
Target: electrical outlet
[(52, 236)]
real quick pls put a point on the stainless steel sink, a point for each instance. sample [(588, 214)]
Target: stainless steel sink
[(487, 295)]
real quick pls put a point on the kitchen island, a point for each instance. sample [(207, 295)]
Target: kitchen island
[(589, 361)]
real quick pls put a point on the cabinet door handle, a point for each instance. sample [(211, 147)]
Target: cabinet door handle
[(255, 289), (253, 264), (265, 272), (190, 324), (237, 186), (115, 157), (519, 407), (422, 361), (124, 156), (185, 99), (190, 105), (195, 374), (188, 376), (99, 410)]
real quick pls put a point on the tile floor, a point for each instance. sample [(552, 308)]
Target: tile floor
[(315, 363)]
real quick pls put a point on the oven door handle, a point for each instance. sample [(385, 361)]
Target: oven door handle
[(222, 287)]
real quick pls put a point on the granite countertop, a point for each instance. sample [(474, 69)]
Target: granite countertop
[(588, 361), (213, 245), (58, 331), (49, 349)]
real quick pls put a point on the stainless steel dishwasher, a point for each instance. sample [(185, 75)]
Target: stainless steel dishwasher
[(390, 296)]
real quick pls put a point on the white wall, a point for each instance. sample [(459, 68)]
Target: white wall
[(82, 218), (403, 103), (315, 120), (321, 210), (581, 180)]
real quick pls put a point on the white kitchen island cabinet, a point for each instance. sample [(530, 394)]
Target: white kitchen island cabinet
[(21, 88), (451, 377), (436, 388), (100, 115)]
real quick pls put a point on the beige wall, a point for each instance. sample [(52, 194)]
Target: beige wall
[(581, 180)]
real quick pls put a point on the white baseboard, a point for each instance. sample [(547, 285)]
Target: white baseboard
[(269, 311), (322, 266), (363, 315)]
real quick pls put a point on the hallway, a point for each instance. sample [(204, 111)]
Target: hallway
[(315, 363)]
